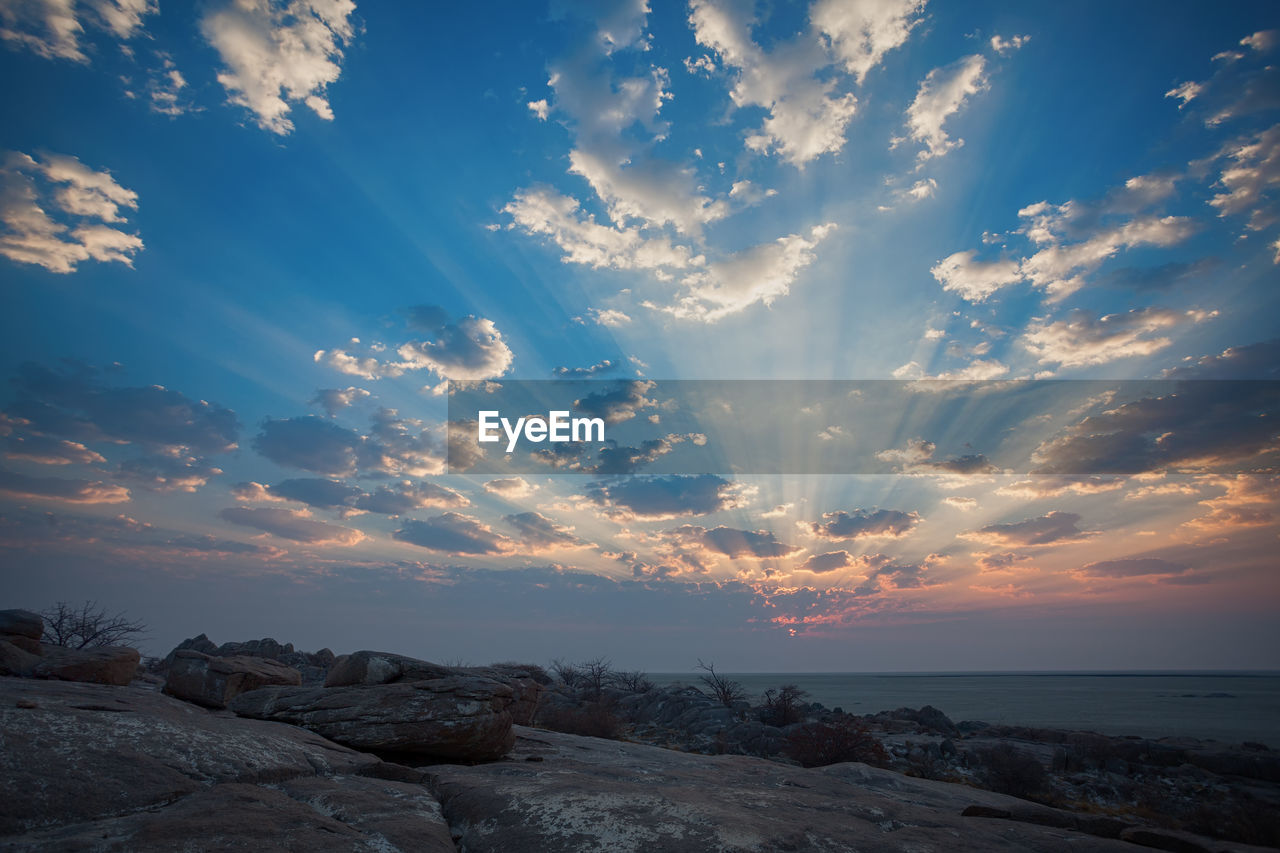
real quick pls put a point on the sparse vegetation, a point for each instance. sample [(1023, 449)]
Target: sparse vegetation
[(89, 626), (783, 706), (718, 687), (592, 719), (1009, 770), (633, 681), (841, 739)]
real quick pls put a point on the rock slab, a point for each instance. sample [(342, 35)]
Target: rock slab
[(454, 718), (215, 681)]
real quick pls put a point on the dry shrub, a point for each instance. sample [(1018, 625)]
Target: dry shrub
[(841, 739)]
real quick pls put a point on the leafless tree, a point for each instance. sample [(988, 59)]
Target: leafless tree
[(784, 706), (632, 682), (570, 675), (89, 625), (595, 674), (720, 688)]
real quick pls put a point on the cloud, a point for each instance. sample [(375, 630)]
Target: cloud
[(510, 487), (1243, 83), (311, 443), (972, 279), (1005, 46), (1254, 361), (916, 458), (53, 28), (621, 402), (455, 534), (168, 473), (1192, 425), (602, 366), (325, 494), (1250, 177), (943, 93), (471, 349), (295, 525), (661, 498), (761, 274), (1248, 500), (807, 117), (402, 447), (883, 574), (960, 503), (730, 542), (540, 108), (610, 317), (1006, 562), (334, 400), (1049, 486), (46, 450), (277, 54), (1053, 528), (21, 487), (1084, 339), (539, 533), (252, 491), (1131, 567), (864, 524), (88, 206), (407, 496), (618, 23), (862, 32), (828, 562)]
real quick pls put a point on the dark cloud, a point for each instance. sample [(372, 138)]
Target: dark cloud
[(603, 366), (22, 487), (619, 403), (884, 574), (828, 562), (46, 450), (1253, 361), (311, 443), (540, 533), (1052, 528), (1000, 562), (407, 496), (402, 446), (472, 348), (454, 533), (1132, 567), (917, 458), (326, 494), (1196, 424), (862, 524), (291, 524), (168, 473), (731, 542), (658, 498)]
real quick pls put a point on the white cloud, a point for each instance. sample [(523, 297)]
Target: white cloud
[(807, 116), (1250, 178), (277, 54), (472, 348), (973, 279), (86, 201), (1084, 339), (759, 274), (511, 487), (53, 28), (1005, 46), (610, 317), (540, 108), (861, 32), (1186, 92), (943, 93)]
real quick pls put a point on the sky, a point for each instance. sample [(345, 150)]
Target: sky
[(251, 251)]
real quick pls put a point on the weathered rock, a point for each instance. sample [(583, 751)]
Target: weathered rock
[(15, 660), (313, 667), (98, 665), (21, 623), (369, 667), (458, 717), (89, 752), (589, 794), (215, 681)]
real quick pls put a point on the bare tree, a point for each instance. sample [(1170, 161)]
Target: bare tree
[(570, 675), (631, 681), (721, 688), (595, 674), (784, 706), (88, 626)]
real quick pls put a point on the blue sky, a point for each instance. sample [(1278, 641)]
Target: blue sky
[(244, 244)]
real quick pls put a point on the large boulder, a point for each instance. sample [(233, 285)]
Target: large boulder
[(22, 628), (215, 681), (16, 661), (90, 767), (369, 667), (97, 665), (458, 717), (313, 666)]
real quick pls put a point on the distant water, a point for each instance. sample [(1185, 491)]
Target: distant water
[(1230, 707)]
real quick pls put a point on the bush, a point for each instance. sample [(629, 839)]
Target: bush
[(718, 687), (841, 739), (783, 706), (566, 673), (89, 626), (593, 719), (632, 682), (1009, 770)]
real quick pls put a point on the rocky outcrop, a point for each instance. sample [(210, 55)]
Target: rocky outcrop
[(85, 766), (97, 665), (562, 793), (215, 681), (369, 667), (22, 628), (458, 717), (313, 666)]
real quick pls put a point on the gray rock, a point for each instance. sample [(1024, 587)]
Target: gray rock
[(21, 623), (88, 752), (589, 794), (16, 661), (458, 717), (215, 681), (98, 665)]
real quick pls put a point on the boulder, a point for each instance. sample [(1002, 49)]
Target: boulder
[(458, 717), (15, 660), (96, 665), (313, 667), (21, 623), (369, 667), (215, 681)]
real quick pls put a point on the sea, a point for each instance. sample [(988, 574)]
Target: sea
[(1232, 707)]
